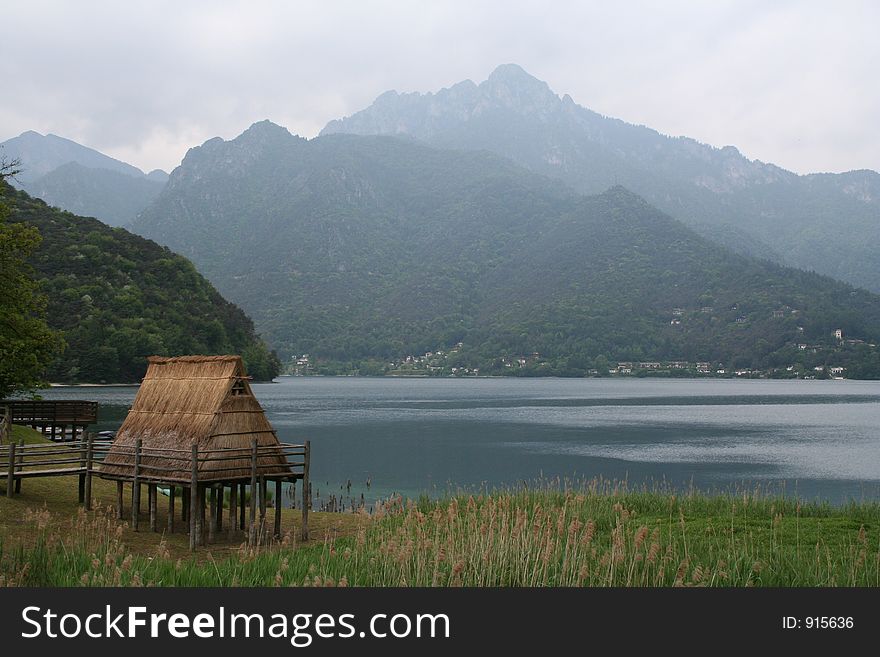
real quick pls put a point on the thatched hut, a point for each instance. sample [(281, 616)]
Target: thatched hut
[(200, 410), (206, 399)]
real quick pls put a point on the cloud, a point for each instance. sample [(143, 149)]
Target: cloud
[(787, 82)]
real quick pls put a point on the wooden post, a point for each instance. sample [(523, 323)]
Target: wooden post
[(20, 465), (136, 486), (82, 476), (193, 499), (263, 496), (212, 524), (202, 502), (252, 528), (119, 500), (90, 455), (171, 493), (220, 494), (152, 493), (242, 504), (233, 509), (10, 474), (277, 532), (307, 501), (184, 507)]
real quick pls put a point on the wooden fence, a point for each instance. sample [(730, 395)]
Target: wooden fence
[(83, 458)]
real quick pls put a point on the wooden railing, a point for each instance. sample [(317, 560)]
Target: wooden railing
[(52, 415)]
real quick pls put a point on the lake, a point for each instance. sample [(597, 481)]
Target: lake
[(816, 439)]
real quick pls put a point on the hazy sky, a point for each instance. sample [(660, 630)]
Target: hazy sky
[(794, 83)]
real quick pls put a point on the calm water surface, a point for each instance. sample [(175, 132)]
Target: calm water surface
[(819, 439)]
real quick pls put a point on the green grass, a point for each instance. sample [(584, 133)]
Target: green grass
[(598, 535)]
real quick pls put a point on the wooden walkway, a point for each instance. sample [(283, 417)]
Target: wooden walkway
[(52, 417)]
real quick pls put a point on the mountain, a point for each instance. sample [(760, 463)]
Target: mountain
[(81, 180), (117, 298), (40, 154), (113, 197), (347, 247), (828, 223)]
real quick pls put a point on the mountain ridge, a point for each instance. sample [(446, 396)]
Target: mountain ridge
[(823, 222), (352, 247)]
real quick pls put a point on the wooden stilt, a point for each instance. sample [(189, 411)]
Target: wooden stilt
[(242, 505), (171, 494), (263, 498), (193, 499), (252, 527), (221, 491), (212, 524), (119, 500), (203, 501), (136, 487), (152, 494), (233, 509), (277, 532)]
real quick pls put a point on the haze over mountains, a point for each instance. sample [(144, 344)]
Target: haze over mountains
[(80, 179), (369, 247), (829, 223)]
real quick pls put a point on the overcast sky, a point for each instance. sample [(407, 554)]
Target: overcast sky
[(794, 83)]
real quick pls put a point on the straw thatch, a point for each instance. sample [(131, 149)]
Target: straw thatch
[(205, 399)]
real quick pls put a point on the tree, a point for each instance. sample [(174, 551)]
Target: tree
[(27, 344)]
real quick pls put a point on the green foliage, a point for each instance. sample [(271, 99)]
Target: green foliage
[(27, 344), (118, 298), (360, 250)]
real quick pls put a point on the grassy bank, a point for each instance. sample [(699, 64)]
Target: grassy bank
[(599, 535)]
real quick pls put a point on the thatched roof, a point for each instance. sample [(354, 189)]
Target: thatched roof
[(206, 399)]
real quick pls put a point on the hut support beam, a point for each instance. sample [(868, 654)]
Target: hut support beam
[(119, 497), (203, 499), (212, 525), (242, 505), (233, 509), (252, 527), (171, 493), (277, 532), (263, 498), (152, 494), (136, 487), (221, 493), (193, 499), (184, 507)]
